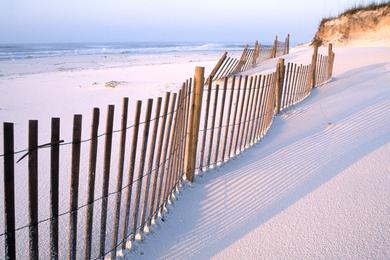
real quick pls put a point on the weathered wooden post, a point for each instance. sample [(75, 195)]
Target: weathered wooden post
[(130, 175), (256, 53), (275, 48), (106, 178), (33, 188), (287, 45), (121, 161), (330, 61), (242, 59), (74, 186), (9, 191), (54, 174), (91, 183), (279, 84), (193, 127), (314, 65)]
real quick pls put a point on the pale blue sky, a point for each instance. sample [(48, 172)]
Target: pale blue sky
[(29, 21)]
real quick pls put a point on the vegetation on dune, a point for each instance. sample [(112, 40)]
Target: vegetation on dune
[(350, 12)]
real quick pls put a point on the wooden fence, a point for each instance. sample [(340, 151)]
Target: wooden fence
[(179, 136), (250, 57)]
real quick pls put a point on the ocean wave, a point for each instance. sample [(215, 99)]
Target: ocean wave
[(25, 51)]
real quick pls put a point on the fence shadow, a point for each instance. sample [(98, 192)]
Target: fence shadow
[(227, 203)]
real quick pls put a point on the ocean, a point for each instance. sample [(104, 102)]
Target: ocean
[(21, 59), (31, 51)]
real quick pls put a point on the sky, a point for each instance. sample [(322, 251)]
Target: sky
[(49, 21)]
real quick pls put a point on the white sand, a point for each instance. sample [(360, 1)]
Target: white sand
[(35, 89), (317, 187)]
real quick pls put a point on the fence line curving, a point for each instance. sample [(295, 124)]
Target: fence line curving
[(148, 162)]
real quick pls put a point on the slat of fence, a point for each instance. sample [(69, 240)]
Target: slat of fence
[(260, 109), (106, 178), (234, 65), (305, 73), (324, 68), (217, 66), (165, 157), (318, 71), (121, 161), (176, 169), (242, 144), (228, 119), (54, 172), (187, 123), (296, 89), (179, 170), (325, 72), (234, 116), (158, 157), (266, 101), (152, 147), (91, 183), (9, 190), (318, 68), (240, 117), (218, 75), (33, 188), (299, 90), (294, 82), (205, 124), (130, 175), (271, 103), (229, 64), (308, 78), (221, 114), (176, 159), (268, 105), (285, 85), (74, 186), (234, 68), (247, 59), (183, 138), (290, 85), (173, 150), (138, 182), (255, 112), (213, 118), (250, 120)]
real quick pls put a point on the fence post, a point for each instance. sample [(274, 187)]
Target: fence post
[(287, 45), (314, 65), (242, 59), (330, 60), (9, 191), (256, 53), (194, 119), (274, 49), (279, 83)]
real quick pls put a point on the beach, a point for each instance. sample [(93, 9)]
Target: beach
[(40, 88)]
